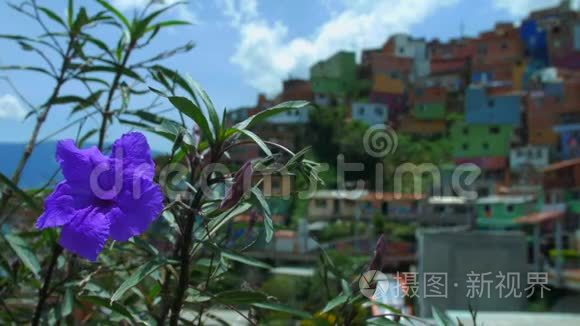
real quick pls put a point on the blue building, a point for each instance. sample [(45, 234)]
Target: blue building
[(569, 140), (370, 113), (296, 116), (483, 108)]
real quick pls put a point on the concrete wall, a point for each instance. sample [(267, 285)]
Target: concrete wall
[(458, 253)]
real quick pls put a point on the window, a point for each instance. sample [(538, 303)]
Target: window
[(491, 103), (378, 111), (361, 111), (487, 210), (439, 209), (485, 146), (494, 130), (465, 147), (504, 46), (465, 131), (538, 153), (320, 203), (509, 208)]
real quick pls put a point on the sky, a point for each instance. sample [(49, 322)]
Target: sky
[(244, 47)]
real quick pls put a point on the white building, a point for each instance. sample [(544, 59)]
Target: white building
[(536, 157)]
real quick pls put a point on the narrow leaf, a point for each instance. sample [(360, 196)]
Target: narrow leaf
[(115, 12), (23, 252), (263, 115), (268, 224), (282, 308), (257, 140), (341, 299), (137, 277), (191, 110), (24, 196)]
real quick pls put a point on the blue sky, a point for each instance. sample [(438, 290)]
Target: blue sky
[(248, 46)]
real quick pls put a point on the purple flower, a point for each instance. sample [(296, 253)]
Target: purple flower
[(102, 196)]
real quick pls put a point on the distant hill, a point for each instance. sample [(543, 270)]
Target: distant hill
[(41, 166)]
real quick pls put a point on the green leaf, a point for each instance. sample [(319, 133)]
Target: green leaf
[(191, 110), (50, 14), (113, 306), (70, 13), (67, 304), (175, 77), (263, 115), (29, 68), (24, 252), (282, 308), (268, 224), (441, 318), (137, 277), (240, 258), (257, 140), (115, 12), (125, 71), (235, 297), (381, 322), (213, 117), (24, 196), (341, 299), (168, 23)]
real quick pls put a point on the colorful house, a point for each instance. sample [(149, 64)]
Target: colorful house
[(484, 145), (561, 185), (497, 53), (428, 103), (333, 78), (483, 108), (502, 211), (369, 113), (405, 46), (536, 157)]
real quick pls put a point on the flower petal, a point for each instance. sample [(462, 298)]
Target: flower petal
[(132, 148), (86, 234), (139, 205), (61, 206), (77, 164)]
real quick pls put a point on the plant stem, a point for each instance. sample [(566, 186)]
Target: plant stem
[(39, 123), (43, 293), (183, 282), (200, 315), (185, 259), (114, 86)]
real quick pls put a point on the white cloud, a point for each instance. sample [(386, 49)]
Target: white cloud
[(239, 12), (10, 108), (520, 8), (182, 10), (267, 55)]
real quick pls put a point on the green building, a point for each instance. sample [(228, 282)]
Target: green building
[(499, 212), (335, 76), (429, 111), (473, 141)]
